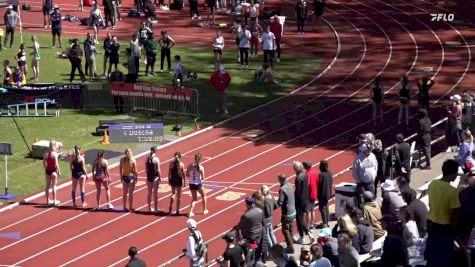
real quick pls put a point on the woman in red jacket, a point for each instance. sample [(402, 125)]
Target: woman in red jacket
[(220, 81)]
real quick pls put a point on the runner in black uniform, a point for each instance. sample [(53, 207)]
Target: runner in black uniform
[(377, 99), (176, 179), (152, 166), (79, 174), (56, 25)]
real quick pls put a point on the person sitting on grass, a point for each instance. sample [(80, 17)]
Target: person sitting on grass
[(19, 78), (265, 73)]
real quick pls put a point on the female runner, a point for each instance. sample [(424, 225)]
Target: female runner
[(176, 179), (152, 165), (78, 174), (128, 172), (196, 172), (50, 162), (100, 170)]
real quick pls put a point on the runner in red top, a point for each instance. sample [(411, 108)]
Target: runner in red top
[(50, 162), (312, 175)]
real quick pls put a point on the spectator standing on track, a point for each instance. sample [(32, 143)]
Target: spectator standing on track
[(114, 54), (233, 255), (128, 173), (425, 138), (218, 45), (392, 199), (301, 14), (372, 212), (96, 20), (324, 192), (382, 156), (10, 19), (270, 204), (193, 242), (151, 51), (134, 260), (302, 201), (454, 129), (365, 169), (75, 58), (251, 224), (166, 43), (52, 171), (287, 202), (244, 44), (176, 179), (423, 95), (220, 80), (377, 100), (79, 175), (211, 6), (402, 153), (108, 13), (268, 45), (404, 101), (107, 54), (47, 7), (194, 10), (312, 176), (152, 167), (318, 9), (444, 206), (20, 57), (100, 172), (196, 172), (276, 28), (55, 18)]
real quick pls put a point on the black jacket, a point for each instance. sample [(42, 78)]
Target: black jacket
[(302, 195), (366, 236), (425, 128), (403, 155), (325, 187)]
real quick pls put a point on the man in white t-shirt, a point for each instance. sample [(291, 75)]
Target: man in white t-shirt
[(268, 44)]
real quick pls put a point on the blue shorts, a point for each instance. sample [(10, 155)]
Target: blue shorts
[(128, 179)]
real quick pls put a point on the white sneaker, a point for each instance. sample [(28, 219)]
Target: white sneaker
[(110, 206), (277, 60)]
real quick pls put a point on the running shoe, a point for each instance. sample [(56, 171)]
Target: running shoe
[(109, 206), (84, 204), (205, 212), (191, 214)]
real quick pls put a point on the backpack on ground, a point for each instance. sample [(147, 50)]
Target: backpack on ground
[(201, 248)]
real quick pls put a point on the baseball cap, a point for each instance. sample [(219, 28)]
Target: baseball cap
[(305, 248), (222, 69), (250, 200), (400, 138), (388, 185), (364, 147), (10, 7), (325, 232), (455, 98), (229, 236), (191, 224), (367, 195), (362, 136)]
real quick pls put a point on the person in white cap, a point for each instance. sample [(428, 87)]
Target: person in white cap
[(392, 199), (192, 244), (47, 7), (454, 130), (365, 169), (10, 19), (220, 81)]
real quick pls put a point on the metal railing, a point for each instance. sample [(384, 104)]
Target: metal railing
[(277, 227)]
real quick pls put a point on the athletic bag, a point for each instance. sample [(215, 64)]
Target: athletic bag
[(201, 248)]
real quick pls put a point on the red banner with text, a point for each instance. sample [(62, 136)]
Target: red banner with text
[(151, 91)]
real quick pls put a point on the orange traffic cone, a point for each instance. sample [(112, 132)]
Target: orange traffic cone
[(105, 138)]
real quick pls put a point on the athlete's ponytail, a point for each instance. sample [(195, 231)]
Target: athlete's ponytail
[(153, 150), (197, 160), (76, 151), (177, 159)]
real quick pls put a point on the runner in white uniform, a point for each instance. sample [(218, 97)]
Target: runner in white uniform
[(196, 172)]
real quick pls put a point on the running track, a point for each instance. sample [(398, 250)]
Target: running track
[(320, 120)]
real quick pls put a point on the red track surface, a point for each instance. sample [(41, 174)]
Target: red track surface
[(320, 121)]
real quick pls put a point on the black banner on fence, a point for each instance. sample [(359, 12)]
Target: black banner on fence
[(68, 95)]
